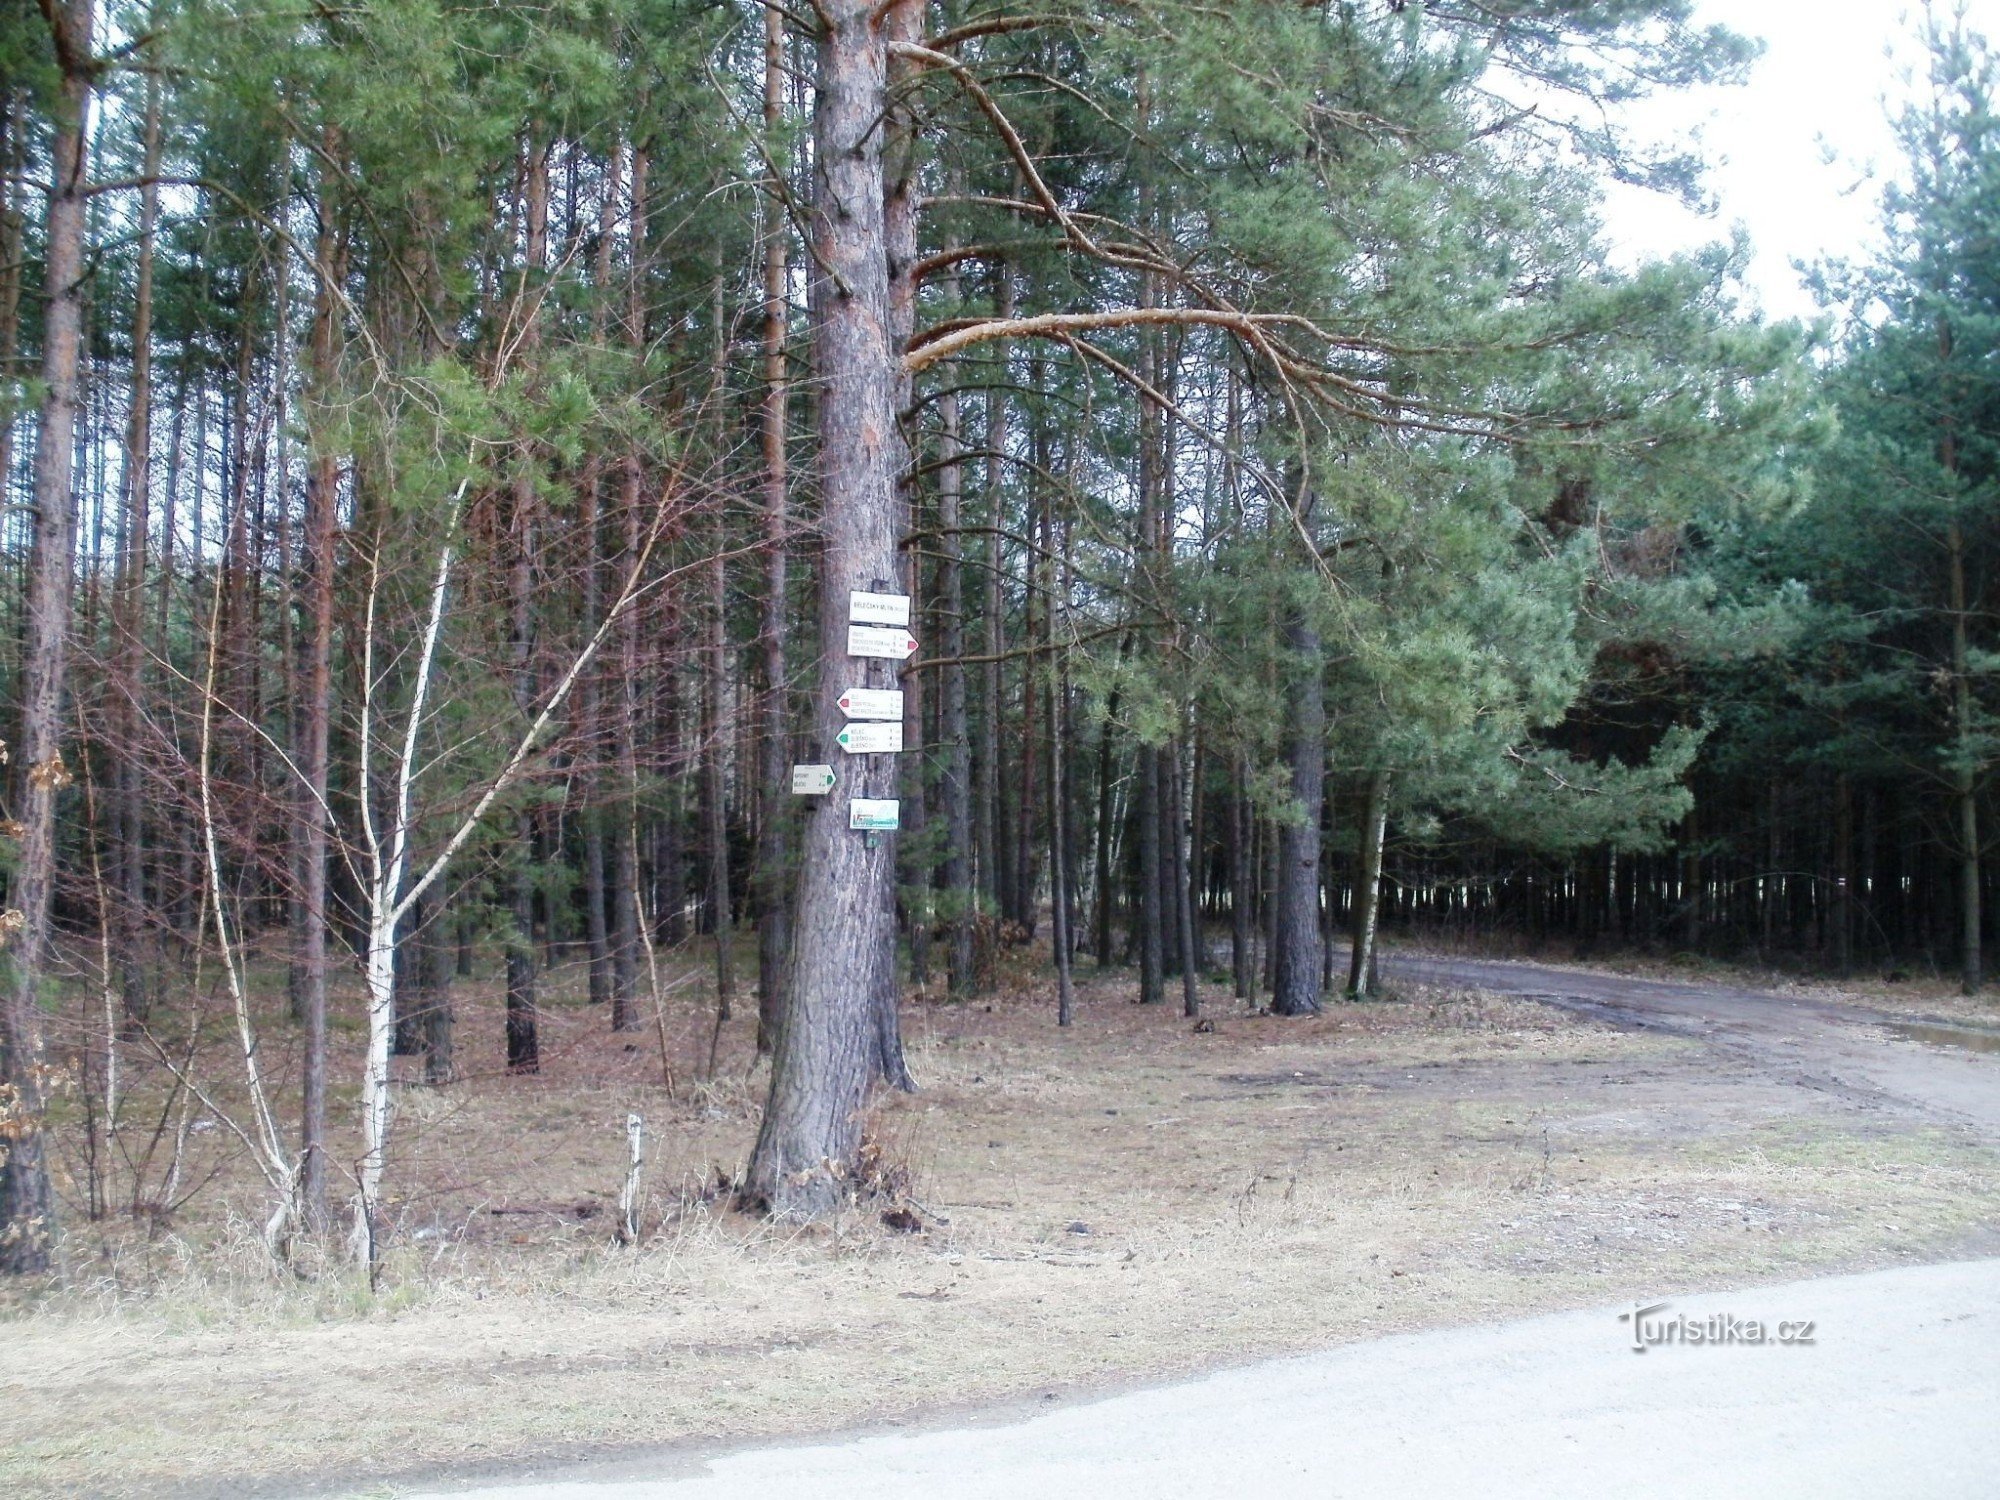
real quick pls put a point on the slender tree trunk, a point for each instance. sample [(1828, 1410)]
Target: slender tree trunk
[(1184, 894), (1368, 888), (625, 940), (995, 851), (314, 717), (715, 790), (1965, 779), (523, 1029), (128, 609), (1107, 876), (957, 780), (434, 973), (1242, 887), (1059, 898), (843, 954), (1197, 844), (1843, 874), (589, 699), (774, 846), (1296, 966)]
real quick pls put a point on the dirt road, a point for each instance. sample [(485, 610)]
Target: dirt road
[(1890, 1394), (1943, 1071)]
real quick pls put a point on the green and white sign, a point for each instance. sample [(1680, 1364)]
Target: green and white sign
[(812, 781), (874, 816), (871, 739)]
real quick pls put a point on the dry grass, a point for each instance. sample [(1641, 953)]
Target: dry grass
[(1126, 1200)]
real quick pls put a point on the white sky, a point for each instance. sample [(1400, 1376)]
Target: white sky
[(1829, 73)]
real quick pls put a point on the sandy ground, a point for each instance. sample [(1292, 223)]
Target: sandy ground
[(1882, 1385), (1132, 1200)]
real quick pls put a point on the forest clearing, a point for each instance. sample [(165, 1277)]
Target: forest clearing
[(1138, 1199), (726, 717)]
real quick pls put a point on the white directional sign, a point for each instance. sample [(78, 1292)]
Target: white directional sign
[(878, 609), (880, 640), (871, 739), (812, 781), (872, 703), (874, 816)]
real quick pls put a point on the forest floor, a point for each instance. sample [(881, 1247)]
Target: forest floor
[(1131, 1199)]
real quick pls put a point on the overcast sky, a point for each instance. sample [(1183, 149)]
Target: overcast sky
[(1829, 69)]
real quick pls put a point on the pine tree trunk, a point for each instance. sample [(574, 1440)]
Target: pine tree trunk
[(715, 790), (774, 842), (1152, 920), (596, 928), (1107, 875), (957, 778), (1059, 898), (1295, 975), (434, 972), (129, 606), (622, 893), (1965, 780), (27, 1205), (1184, 921), (1368, 889), (995, 851), (829, 1047), (1242, 887), (523, 1029)]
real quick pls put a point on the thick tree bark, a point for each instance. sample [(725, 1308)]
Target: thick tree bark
[(1295, 978), (829, 1047), (27, 1205)]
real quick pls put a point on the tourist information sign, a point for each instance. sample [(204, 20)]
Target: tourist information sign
[(872, 703), (894, 643), (874, 816), (812, 781), (878, 609), (871, 739)]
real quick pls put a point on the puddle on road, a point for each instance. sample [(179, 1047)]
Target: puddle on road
[(1965, 1038)]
